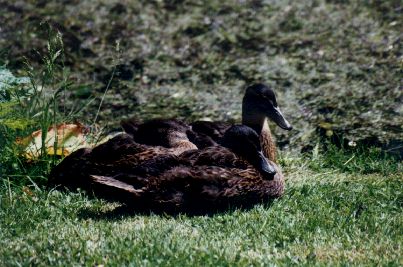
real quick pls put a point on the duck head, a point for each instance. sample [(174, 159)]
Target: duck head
[(260, 103), (244, 142)]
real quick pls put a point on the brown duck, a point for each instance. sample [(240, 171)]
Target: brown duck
[(233, 175), (259, 104), (120, 153)]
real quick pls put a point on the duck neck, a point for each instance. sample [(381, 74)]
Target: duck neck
[(253, 120), (260, 124), (267, 142)]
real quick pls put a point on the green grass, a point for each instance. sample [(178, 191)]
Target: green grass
[(328, 218), (359, 159), (336, 69)]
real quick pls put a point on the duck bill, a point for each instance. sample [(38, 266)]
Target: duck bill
[(265, 167), (278, 117)]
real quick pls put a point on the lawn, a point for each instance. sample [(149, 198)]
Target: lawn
[(325, 218)]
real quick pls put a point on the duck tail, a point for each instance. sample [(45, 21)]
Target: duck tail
[(112, 189)]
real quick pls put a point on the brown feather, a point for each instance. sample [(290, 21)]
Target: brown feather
[(267, 142)]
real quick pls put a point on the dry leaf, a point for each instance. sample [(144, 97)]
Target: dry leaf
[(66, 137)]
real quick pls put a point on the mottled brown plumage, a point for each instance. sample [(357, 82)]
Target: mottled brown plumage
[(169, 133), (194, 181), (120, 153), (215, 155), (197, 189), (259, 104)]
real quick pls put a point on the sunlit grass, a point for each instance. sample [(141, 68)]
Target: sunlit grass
[(359, 159), (324, 218)]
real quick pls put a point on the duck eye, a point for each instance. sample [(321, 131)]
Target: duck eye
[(272, 101), (268, 99), (264, 96)]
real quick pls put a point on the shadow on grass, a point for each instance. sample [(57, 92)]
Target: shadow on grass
[(123, 211)]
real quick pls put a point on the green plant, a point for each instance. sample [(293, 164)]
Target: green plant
[(37, 102), (32, 103)]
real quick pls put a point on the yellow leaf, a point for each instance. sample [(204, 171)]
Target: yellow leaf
[(61, 140)]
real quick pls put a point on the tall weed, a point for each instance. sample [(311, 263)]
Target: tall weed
[(32, 103)]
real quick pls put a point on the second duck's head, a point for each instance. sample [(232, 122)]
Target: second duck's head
[(259, 103), (244, 141)]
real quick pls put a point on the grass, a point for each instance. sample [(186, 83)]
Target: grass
[(359, 159), (328, 218), (334, 64), (32, 103), (342, 207)]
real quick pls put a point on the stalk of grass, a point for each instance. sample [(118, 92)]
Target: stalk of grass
[(38, 105), (109, 83)]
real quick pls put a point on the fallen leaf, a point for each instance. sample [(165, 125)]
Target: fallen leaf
[(61, 140)]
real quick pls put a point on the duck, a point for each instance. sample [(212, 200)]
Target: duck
[(259, 105), (236, 174), (119, 153)]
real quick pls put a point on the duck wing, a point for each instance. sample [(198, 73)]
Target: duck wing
[(140, 173), (209, 188), (162, 132), (201, 189), (120, 154), (124, 150), (176, 190), (197, 189), (115, 148), (213, 156)]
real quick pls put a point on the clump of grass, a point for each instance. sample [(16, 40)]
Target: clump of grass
[(32, 103), (37, 102), (360, 159)]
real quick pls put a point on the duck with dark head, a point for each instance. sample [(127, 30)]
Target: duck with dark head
[(258, 106), (197, 182)]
